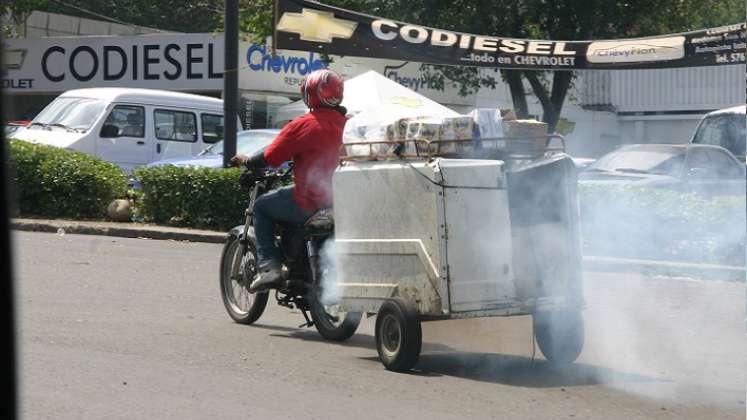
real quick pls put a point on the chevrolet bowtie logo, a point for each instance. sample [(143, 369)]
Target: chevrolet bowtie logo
[(317, 26), (13, 59), (407, 102)]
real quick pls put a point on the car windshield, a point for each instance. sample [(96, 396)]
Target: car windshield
[(246, 143), (727, 131), (657, 161), (72, 113)]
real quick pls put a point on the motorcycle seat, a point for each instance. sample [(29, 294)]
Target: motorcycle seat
[(321, 222)]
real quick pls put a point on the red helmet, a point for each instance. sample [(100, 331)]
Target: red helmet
[(323, 87)]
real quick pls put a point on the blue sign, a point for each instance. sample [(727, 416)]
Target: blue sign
[(259, 59)]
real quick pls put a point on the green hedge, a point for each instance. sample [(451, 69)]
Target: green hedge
[(54, 182), (638, 222), (192, 197)]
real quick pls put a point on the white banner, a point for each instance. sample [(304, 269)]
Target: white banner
[(636, 51), (176, 62)]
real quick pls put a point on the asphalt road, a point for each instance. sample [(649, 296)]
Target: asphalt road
[(114, 328)]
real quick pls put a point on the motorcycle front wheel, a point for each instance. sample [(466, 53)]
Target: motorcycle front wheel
[(237, 271)]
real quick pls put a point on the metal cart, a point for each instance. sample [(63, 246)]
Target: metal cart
[(492, 232)]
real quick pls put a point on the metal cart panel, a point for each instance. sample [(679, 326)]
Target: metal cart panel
[(388, 239), (478, 235)]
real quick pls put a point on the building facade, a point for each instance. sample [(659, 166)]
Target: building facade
[(604, 108)]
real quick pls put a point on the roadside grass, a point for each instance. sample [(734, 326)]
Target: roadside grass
[(636, 222)]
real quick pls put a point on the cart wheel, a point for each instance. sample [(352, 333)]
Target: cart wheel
[(560, 335), (398, 335)]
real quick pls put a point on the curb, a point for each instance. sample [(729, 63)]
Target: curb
[(175, 234), (665, 268), (591, 263)]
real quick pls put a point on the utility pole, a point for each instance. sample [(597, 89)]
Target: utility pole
[(230, 79)]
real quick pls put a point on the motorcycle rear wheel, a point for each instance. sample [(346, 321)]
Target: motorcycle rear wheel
[(237, 271), (333, 324)]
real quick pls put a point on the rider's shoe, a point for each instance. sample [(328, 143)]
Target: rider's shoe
[(270, 276)]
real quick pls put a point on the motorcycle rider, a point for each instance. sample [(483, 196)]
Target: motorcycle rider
[(313, 142)]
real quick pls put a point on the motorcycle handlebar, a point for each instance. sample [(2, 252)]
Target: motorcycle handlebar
[(250, 177)]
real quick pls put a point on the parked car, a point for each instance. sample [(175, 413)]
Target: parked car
[(130, 127), (725, 128), (582, 163), (10, 128), (688, 168), (248, 142)]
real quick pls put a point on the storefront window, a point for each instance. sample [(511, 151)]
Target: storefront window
[(260, 111)]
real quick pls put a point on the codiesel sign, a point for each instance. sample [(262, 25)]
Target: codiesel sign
[(511, 51), (179, 62), (388, 30), (312, 26)]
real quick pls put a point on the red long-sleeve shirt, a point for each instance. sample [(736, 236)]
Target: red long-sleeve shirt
[(313, 142)]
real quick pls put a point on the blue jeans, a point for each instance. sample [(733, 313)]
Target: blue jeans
[(270, 209)]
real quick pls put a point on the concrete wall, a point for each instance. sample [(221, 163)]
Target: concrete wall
[(686, 89), (666, 129), (44, 24)]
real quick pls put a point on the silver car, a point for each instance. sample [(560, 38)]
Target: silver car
[(688, 168)]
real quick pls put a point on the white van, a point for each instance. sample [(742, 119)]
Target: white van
[(129, 127), (725, 128)]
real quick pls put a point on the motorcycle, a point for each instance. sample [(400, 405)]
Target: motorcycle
[(303, 287)]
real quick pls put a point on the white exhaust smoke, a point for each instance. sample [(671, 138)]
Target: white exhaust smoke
[(330, 273)]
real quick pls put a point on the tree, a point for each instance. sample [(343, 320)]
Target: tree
[(542, 19), (17, 11), (169, 15)]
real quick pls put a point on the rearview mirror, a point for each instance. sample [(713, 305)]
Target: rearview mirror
[(109, 131)]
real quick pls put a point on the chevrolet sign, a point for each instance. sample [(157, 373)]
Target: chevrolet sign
[(636, 50), (313, 25)]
